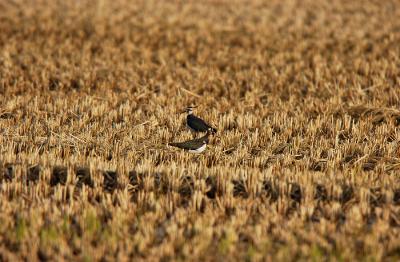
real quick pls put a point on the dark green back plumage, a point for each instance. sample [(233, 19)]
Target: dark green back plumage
[(198, 125), (192, 144)]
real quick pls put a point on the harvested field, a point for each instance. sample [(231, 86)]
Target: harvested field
[(304, 94)]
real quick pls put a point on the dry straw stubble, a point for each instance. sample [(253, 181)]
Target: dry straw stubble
[(304, 95)]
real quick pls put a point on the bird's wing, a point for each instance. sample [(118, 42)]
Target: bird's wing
[(197, 123), (190, 144), (179, 145)]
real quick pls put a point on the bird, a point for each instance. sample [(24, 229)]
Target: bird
[(197, 145), (196, 124)]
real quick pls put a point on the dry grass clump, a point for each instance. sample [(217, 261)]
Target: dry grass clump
[(305, 165)]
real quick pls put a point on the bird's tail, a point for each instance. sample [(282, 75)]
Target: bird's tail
[(212, 130)]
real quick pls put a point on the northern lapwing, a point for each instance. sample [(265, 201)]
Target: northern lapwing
[(197, 145), (196, 124)]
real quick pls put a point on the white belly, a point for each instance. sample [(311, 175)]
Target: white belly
[(198, 150)]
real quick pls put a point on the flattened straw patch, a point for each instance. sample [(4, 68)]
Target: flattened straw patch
[(33, 173), (110, 181), (84, 178), (59, 175)]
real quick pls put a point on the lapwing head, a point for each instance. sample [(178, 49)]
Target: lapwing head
[(189, 110)]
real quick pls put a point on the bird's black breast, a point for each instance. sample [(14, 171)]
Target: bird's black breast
[(197, 124)]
